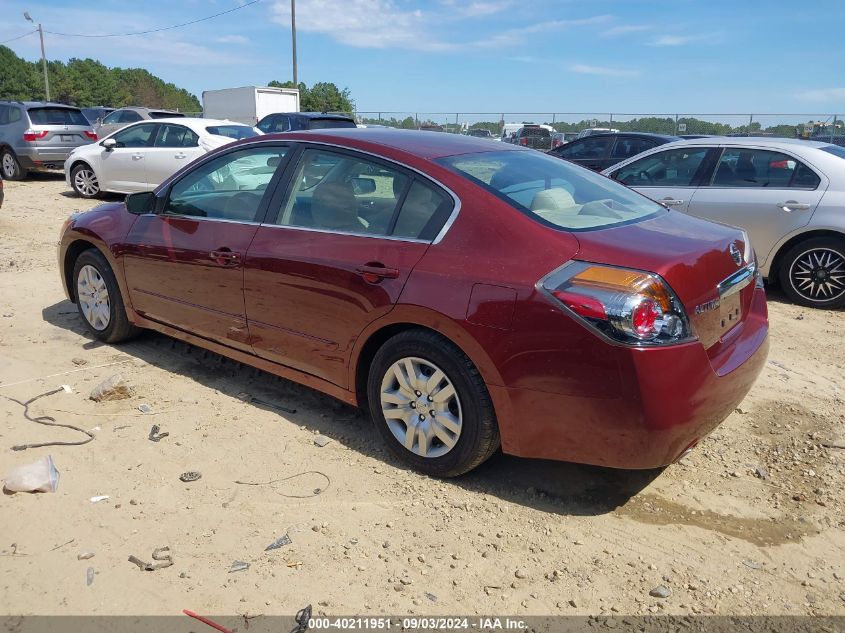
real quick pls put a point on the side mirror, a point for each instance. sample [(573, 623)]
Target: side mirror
[(140, 203), (109, 144), (363, 186)]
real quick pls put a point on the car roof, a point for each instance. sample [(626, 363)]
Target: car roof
[(146, 109), (418, 143), (664, 137), (197, 124), (757, 141), (320, 115), (40, 104)]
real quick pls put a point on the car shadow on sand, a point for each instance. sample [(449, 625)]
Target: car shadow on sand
[(555, 487)]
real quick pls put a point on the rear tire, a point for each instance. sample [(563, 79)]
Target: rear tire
[(812, 273), (10, 166), (425, 393), (84, 181), (98, 299)]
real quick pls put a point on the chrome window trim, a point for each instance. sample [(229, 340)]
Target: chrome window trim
[(310, 229), (199, 218)]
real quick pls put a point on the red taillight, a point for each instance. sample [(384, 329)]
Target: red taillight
[(523, 141), (31, 135), (90, 135), (629, 306)]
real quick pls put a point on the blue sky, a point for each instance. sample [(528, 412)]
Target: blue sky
[(478, 55)]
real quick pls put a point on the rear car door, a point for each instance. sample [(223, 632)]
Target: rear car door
[(590, 152), (174, 147), (124, 168), (669, 177), (768, 193), (184, 264), (333, 254)]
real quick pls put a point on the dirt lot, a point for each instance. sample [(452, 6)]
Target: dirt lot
[(750, 523)]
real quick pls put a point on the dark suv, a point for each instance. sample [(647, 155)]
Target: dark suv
[(37, 135), (533, 136), (293, 121), (600, 151)]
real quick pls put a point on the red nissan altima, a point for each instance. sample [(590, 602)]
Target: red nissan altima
[(472, 294)]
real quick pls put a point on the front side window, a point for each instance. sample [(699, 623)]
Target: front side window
[(740, 167), (590, 149), (344, 193), (135, 136), (114, 117), (552, 191), (171, 135), (671, 168), (229, 187)]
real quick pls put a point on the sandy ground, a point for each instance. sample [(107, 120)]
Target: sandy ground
[(516, 536)]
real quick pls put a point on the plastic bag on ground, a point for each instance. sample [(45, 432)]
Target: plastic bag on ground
[(40, 476)]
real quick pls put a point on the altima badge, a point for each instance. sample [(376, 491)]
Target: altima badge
[(706, 307), (735, 254)]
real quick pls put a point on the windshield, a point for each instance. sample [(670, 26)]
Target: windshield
[(57, 116), (232, 131), (553, 191), (835, 150), (319, 124)]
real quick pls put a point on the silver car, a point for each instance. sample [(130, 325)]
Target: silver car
[(123, 117), (788, 195), (35, 135)]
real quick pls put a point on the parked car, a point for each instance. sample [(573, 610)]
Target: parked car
[(562, 138), (121, 118), (596, 130), (292, 121), (391, 277), (533, 136), (35, 135), (788, 194), (140, 156), (601, 151), (96, 114), (480, 133)]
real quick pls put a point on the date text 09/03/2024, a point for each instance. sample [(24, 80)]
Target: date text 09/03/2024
[(417, 623)]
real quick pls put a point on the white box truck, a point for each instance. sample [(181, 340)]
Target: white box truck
[(249, 104)]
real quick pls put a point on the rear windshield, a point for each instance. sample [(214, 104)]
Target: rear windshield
[(232, 131), (320, 124), (835, 150), (165, 115), (57, 116), (553, 191), (535, 131)]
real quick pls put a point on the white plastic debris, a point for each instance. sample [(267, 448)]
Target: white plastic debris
[(99, 498), (39, 476)]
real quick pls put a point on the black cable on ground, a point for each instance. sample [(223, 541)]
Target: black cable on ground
[(47, 421)]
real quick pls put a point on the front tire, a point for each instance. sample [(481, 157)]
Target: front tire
[(10, 166), (430, 404), (812, 273), (84, 181), (98, 299)]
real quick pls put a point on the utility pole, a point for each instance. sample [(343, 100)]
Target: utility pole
[(293, 39), (43, 56)]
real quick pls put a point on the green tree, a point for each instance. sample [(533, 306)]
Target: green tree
[(321, 97)]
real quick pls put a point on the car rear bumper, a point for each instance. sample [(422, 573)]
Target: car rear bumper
[(32, 158), (669, 398)]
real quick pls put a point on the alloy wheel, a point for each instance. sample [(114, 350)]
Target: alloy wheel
[(9, 166), (85, 182), (93, 297), (818, 274), (421, 407)]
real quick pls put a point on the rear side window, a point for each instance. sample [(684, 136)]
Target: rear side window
[(671, 168), (129, 116), (423, 212), (588, 149), (176, 136), (4, 114), (740, 167), (114, 117), (553, 191), (631, 146), (165, 115), (57, 116)]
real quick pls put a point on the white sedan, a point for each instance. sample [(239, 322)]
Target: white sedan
[(141, 156)]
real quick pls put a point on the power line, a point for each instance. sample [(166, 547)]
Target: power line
[(19, 37), (164, 28)]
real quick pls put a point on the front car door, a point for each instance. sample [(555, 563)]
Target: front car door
[(333, 255), (184, 264), (768, 193), (174, 147), (669, 177), (123, 168)]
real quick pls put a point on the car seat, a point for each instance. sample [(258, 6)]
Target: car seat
[(334, 207)]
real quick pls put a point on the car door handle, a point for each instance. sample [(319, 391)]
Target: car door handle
[(180, 156), (671, 202), (374, 273), (793, 205), (225, 257), (137, 156)]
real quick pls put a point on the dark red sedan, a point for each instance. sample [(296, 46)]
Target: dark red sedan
[(472, 295)]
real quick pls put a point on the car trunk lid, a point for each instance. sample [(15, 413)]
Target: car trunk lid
[(56, 127)]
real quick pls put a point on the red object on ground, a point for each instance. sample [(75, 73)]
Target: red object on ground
[(204, 620)]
